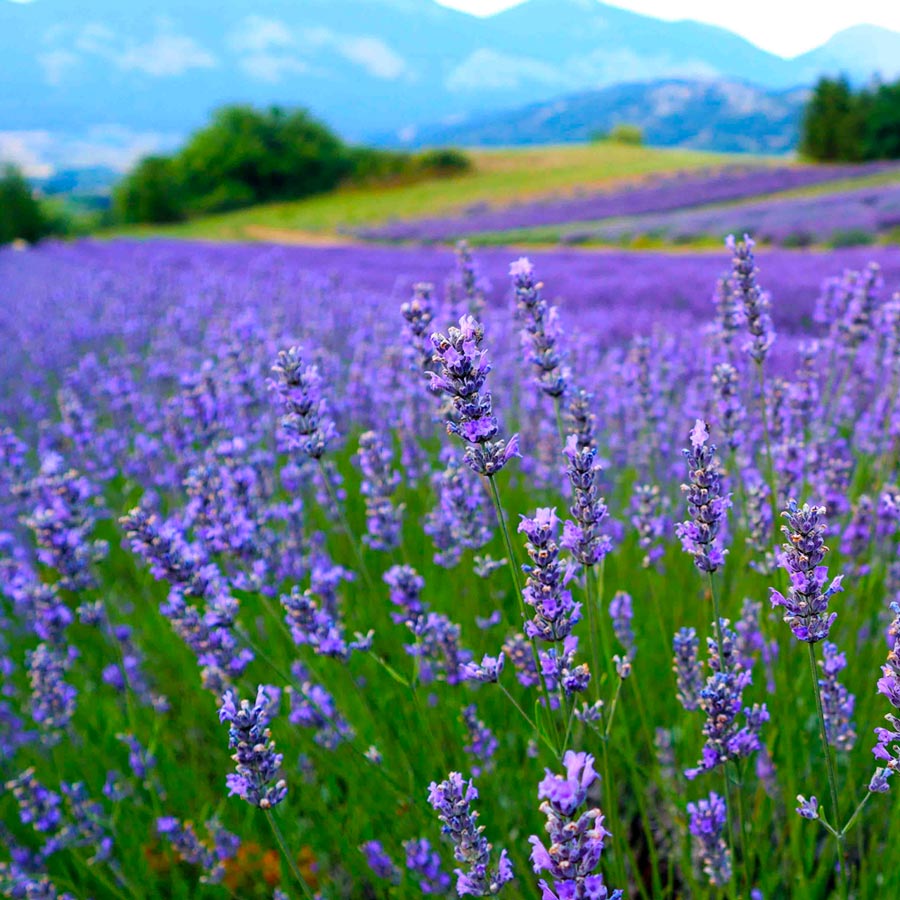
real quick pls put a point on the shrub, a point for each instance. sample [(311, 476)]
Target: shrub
[(21, 216)]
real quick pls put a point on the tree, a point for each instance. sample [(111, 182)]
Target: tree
[(246, 156), (881, 131), (833, 122), (150, 193), (21, 216)]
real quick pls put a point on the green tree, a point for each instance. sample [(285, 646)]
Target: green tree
[(881, 131), (149, 193), (246, 156), (21, 216), (833, 122)]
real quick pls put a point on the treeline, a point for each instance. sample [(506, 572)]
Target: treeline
[(841, 124), (247, 156), (22, 215)]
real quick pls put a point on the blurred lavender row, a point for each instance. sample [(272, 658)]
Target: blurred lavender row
[(655, 194), (854, 216)]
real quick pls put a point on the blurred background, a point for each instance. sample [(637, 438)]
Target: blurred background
[(310, 121)]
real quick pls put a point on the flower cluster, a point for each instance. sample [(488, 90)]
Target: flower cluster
[(540, 330), (708, 818), (452, 799), (576, 839), (463, 369), (210, 856), (806, 605), (583, 537), (754, 301), (706, 502), (384, 518), (555, 613), (257, 763), (306, 422)]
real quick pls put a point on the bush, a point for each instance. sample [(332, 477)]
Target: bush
[(21, 216), (851, 237), (626, 134), (443, 161), (150, 193)]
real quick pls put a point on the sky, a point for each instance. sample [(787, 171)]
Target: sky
[(785, 27)]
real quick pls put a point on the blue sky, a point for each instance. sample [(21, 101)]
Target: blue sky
[(785, 27)]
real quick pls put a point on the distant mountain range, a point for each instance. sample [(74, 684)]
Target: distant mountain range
[(125, 77), (725, 116)]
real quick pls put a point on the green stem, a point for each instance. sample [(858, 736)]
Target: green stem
[(770, 461), (829, 766), (511, 556), (856, 812), (592, 627), (292, 865), (345, 525)]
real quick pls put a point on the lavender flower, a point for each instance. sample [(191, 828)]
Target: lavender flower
[(583, 537), (255, 756), (380, 863), (576, 839), (650, 521), (707, 824), (306, 421), (721, 699), (418, 316), (317, 628), (838, 703), (425, 863), (458, 521), (452, 800), (705, 501), (209, 856), (540, 330), (555, 613), (806, 605), (313, 707), (754, 301), (463, 371), (384, 519), (887, 748), (686, 666), (730, 408)]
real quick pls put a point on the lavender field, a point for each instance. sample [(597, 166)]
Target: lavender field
[(663, 202), (374, 573)]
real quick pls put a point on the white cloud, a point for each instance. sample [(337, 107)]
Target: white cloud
[(57, 64), (486, 68), (257, 34), (368, 52), (27, 150), (272, 67), (166, 55), (40, 153)]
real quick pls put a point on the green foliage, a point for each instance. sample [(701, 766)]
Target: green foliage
[(843, 125), (246, 156), (150, 193), (21, 216), (623, 133), (442, 161), (851, 237)]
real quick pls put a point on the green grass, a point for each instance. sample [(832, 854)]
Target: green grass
[(500, 177)]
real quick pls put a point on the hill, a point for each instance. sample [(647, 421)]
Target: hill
[(728, 117)]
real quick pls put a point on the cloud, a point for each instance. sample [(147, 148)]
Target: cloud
[(57, 64), (486, 68), (368, 52), (40, 153), (166, 54), (258, 34), (27, 150)]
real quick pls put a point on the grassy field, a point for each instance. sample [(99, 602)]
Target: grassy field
[(499, 177)]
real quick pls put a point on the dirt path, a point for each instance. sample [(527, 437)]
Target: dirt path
[(296, 237)]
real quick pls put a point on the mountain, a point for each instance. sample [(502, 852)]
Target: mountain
[(859, 52), (725, 116), (150, 71)]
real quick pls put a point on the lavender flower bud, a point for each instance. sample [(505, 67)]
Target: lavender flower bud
[(806, 605), (753, 299)]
